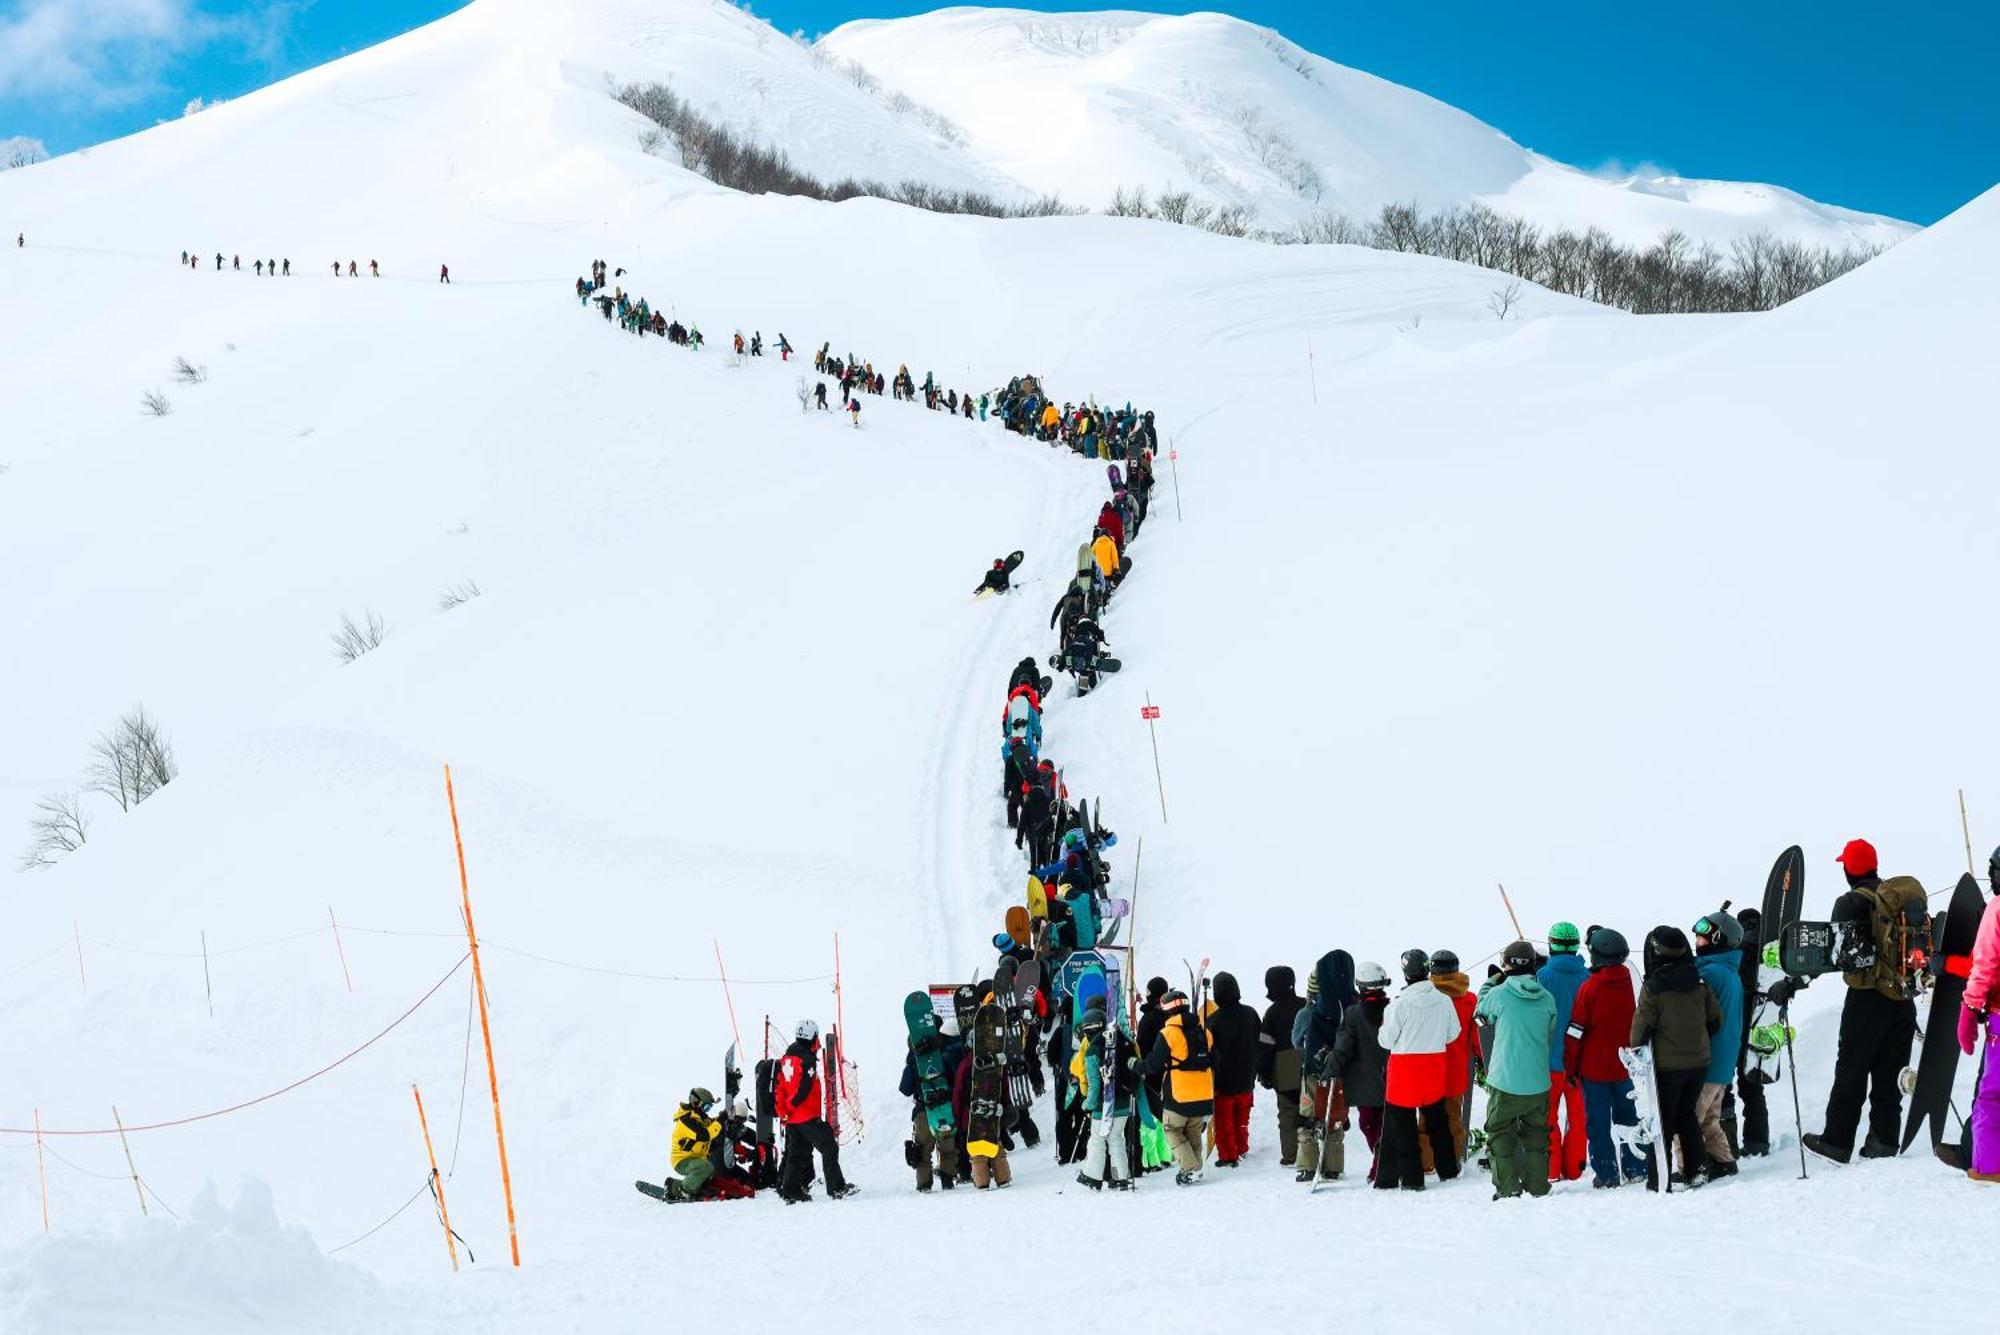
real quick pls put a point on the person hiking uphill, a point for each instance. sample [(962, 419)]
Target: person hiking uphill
[(1523, 1016), (1979, 1012), (1360, 1063)]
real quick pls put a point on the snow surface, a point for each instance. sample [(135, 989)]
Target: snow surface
[(1609, 608), (1082, 104)]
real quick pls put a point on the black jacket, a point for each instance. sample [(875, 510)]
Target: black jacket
[(1360, 1062), (1275, 1037), (1232, 1038)]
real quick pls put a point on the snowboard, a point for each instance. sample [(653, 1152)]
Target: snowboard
[(1018, 923), (933, 1084), (1020, 1033), (767, 1117), (1646, 1095), (1013, 563), (1090, 982), (1955, 932), (1038, 900), (660, 1193), (1086, 560), (1117, 478), (964, 1007), (1784, 894), (989, 1083)]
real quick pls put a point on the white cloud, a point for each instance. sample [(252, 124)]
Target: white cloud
[(110, 52), (20, 150)]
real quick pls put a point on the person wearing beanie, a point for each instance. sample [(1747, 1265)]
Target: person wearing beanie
[(1878, 1021), (1278, 1057), (1460, 1060), (1569, 1146), (1154, 1152), (1718, 948), (1523, 1016), (1232, 1045), (1418, 1027), (1677, 1014), (1360, 1063), (1600, 1023), (1323, 1117)]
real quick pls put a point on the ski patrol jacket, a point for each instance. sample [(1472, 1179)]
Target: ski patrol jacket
[(1416, 1029), (1188, 1087), (1464, 1049), (800, 1096), (1563, 976), (694, 1132), (1105, 551), (1523, 1015), (1600, 1022), (1982, 983), (1722, 970)]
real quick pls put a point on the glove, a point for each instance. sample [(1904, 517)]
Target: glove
[(1783, 991), (1969, 1024)]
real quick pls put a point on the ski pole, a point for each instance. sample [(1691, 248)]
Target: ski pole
[(1792, 1069)]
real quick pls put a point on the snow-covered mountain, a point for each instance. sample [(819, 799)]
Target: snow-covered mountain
[(1610, 608), (1081, 104)]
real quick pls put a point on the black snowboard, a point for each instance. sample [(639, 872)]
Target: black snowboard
[(1784, 894), (1955, 931), (989, 1083), (658, 1193)]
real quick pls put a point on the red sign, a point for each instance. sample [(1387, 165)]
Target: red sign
[(1173, 455), (1149, 711)]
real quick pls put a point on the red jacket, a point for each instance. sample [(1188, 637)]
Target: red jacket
[(1600, 1022), (1458, 1057), (799, 1091), (1108, 520)]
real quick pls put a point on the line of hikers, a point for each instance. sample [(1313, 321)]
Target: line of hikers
[(1093, 432), (270, 269)]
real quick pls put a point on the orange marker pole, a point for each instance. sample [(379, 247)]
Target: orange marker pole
[(41, 1170), (727, 1000), (437, 1183), (485, 1024), (340, 948)]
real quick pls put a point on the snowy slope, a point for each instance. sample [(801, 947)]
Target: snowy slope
[(1610, 608), (1082, 104)]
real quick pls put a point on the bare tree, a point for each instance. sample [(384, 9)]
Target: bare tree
[(188, 373), (155, 404), (804, 390), (131, 760), (1129, 203), (355, 639), (1502, 300), (57, 828), (462, 592)]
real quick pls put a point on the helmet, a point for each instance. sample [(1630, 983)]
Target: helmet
[(807, 1032), (1722, 926), (1415, 965), (1369, 976), (1564, 939), (700, 1098), (1444, 961), (1518, 957), (1607, 946)]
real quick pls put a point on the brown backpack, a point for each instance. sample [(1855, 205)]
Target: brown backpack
[(1899, 925)]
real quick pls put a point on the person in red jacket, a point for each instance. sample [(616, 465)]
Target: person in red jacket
[(801, 1099), (1600, 1022), (1459, 1057), (1111, 522)]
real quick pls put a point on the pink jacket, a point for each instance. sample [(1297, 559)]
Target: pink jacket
[(1982, 984)]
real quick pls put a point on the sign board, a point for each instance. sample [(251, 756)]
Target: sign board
[(1149, 711)]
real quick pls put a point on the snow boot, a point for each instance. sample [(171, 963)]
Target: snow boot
[(1819, 1145), (1085, 1180), (849, 1190), (1305, 1175), (1872, 1148)]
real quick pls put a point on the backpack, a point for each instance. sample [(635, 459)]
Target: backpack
[(1899, 932)]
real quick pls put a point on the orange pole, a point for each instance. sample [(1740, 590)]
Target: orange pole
[(437, 1183), (41, 1171), (342, 949), (485, 1024), (727, 1000)]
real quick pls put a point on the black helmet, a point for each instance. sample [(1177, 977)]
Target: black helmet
[(1518, 957), (1607, 946), (1722, 926), (700, 1098), (1416, 964), (1444, 961)]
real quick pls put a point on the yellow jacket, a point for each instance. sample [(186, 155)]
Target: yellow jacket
[(1051, 415), (1106, 552), (694, 1132)]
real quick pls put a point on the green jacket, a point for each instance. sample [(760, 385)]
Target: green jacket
[(1676, 1014), (1523, 1015)]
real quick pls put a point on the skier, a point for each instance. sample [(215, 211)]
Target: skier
[(1315, 1029), (924, 1142), (1100, 1069), (1562, 976), (695, 1134), (1523, 1016), (1278, 1057), (444, 273), (1232, 1044), (801, 1099), (1417, 1028), (1878, 1022), (1600, 1022), (1718, 948), (1678, 1015), (1360, 1064), (995, 579), (1979, 1011), (1180, 1059)]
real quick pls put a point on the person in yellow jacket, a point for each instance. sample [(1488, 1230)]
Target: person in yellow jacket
[(1105, 552), (1180, 1056), (695, 1134), (1051, 419)]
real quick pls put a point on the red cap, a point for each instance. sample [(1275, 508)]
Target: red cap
[(1858, 858)]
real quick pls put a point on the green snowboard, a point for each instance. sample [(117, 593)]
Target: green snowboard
[(933, 1084)]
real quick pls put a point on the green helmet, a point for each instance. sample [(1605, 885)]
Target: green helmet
[(1564, 939), (700, 1098)]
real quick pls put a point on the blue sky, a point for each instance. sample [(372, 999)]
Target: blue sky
[(1880, 107)]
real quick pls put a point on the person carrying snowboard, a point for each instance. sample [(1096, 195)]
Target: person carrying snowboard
[(1523, 1016), (1360, 1063), (1104, 1083), (1417, 1029), (1878, 1021), (1718, 948), (1315, 1030), (801, 1100), (1679, 1016), (1232, 1045), (925, 1143), (1563, 975), (1180, 1060), (1278, 1067), (996, 580), (1600, 1023)]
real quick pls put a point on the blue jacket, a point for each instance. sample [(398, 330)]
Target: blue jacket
[(1722, 970), (1562, 976)]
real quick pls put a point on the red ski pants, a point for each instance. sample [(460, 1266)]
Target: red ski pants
[(1569, 1137), (1232, 1125)]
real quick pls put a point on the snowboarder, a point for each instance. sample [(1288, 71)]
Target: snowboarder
[(801, 1099), (1232, 1044), (1600, 1022), (1750, 1074), (925, 1142), (1878, 1022), (1278, 1067), (1718, 948), (696, 1132), (353, 269), (1360, 1064), (784, 348), (1179, 1059), (854, 412), (444, 273), (819, 395), (1523, 1016), (1315, 1029), (1565, 972), (1417, 1029), (218, 261), (236, 263), (1979, 1011), (1679, 1016), (996, 579)]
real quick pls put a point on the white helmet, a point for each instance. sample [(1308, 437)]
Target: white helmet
[(807, 1032)]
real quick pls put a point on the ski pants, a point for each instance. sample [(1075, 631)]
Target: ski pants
[(801, 1139), (1289, 1120), (1322, 1148), (929, 1143), (1983, 1126), (1232, 1125), (1680, 1092), (1608, 1103), (991, 1171), (1455, 1107), (1517, 1141), (1400, 1160), (1875, 1037), (695, 1174), (1756, 1113), (1370, 1122), (1569, 1144), (1708, 1108), (1187, 1138), (1104, 1157)]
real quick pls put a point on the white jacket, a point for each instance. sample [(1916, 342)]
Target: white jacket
[(1421, 1019)]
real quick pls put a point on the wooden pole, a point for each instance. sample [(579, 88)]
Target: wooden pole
[(437, 1182), (1965, 824), (727, 1000), (1518, 935), (485, 1022), (41, 1170), (77, 932), (119, 1122), (206, 985), (345, 975), (1132, 940), (1153, 730), (1173, 462)]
